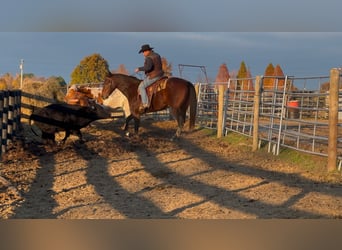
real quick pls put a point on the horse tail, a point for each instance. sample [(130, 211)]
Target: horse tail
[(193, 106)]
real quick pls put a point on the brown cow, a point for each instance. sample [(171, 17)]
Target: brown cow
[(87, 95), (82, 96)]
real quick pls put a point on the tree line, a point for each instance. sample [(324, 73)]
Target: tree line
[(94, 68)]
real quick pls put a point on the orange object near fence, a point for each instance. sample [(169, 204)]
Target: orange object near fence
[(293, 109)]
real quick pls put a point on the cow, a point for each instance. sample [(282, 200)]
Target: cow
[(87, 95), (59, 117), (83, 96)]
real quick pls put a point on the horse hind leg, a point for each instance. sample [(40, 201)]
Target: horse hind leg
[(178, 133), (180, 117)]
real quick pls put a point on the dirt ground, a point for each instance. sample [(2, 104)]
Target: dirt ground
[(111, 176)]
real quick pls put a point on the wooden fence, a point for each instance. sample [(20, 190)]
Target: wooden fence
[(10, 103)]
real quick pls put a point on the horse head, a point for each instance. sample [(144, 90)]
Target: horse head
[(108, 87)]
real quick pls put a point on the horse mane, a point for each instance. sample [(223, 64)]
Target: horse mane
[(123, 77), (127, 83)]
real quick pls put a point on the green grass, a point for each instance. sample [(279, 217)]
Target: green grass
[(304, 161), (231, 138)]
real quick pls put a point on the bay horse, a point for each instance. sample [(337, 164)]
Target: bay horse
[(174, 92)]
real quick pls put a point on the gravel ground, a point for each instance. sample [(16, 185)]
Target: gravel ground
[(198, 176)]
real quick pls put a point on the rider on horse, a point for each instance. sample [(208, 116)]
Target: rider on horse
[(153, 71)]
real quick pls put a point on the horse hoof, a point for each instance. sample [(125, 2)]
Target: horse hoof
[(174, 138)]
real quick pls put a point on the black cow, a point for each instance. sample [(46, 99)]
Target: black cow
[(65, 117)]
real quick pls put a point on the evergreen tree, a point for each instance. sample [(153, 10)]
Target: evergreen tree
[(268, 81), (92, 68), (223, 73), (279, 76), (249, 85), (242, 74)]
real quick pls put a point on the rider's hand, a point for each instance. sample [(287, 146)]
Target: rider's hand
[(136, 70)]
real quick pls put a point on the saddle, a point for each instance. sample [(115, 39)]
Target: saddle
[(155, 87)]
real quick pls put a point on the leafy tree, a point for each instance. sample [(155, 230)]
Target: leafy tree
[(28, 75), (167, 67), (14, 83), (60, 80), (122, 70), (3, 84), (325, 87), (223, 73), (92, 68), (7, 79), (45, 90), (54, 87)]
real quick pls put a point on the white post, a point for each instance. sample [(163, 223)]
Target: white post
[(21, 72)]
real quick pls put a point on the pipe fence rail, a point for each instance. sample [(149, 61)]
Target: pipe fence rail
[(296, 113)]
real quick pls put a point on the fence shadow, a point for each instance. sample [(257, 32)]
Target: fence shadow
[(40, 202)]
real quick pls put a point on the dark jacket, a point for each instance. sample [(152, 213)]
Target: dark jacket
[(152, 65)]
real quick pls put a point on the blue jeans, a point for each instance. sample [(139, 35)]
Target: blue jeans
[(142, 88)]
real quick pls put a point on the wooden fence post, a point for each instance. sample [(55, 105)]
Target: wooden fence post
[(197, 85), (333, 118), (10, 104), (2, 97), (220, 111), (256, 113), (10, 121), (17, 115), (4, 111)]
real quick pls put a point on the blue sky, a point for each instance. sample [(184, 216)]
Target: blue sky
[(304, 37), (58, 53), (175, 15)]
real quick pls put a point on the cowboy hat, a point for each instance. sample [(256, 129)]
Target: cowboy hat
[(144, 48)]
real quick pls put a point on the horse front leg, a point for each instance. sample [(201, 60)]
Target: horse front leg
[(127, 120), (136, 124), (126, 125)]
